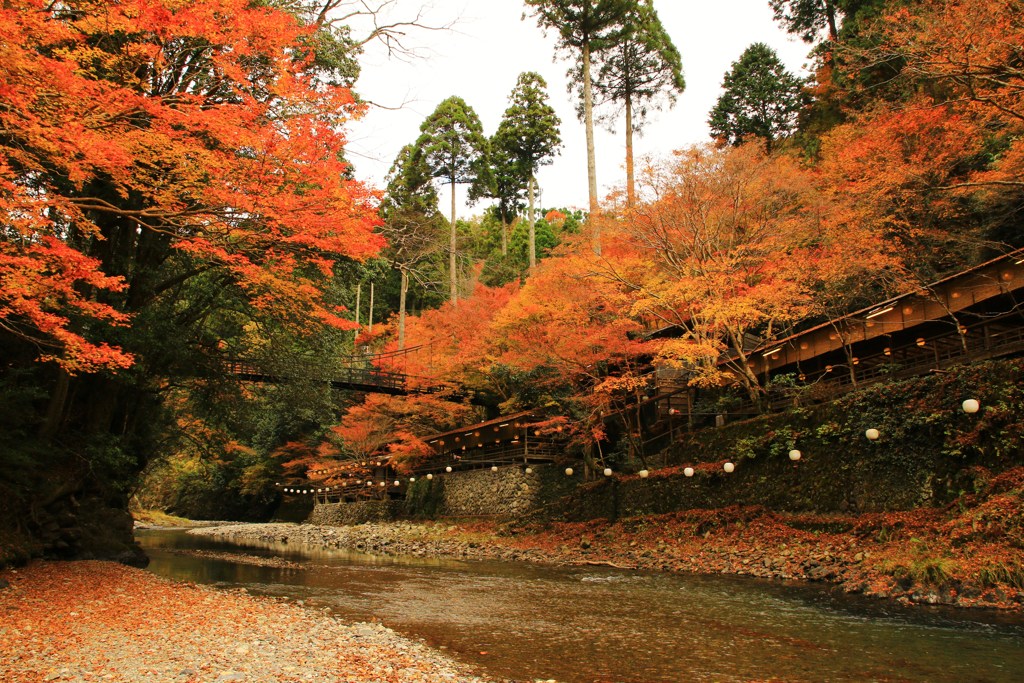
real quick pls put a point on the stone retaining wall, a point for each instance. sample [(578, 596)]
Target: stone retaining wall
[(507, 493), (344, 514)]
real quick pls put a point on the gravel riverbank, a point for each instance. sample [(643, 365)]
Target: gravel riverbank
[(880, 555), (100, 621)]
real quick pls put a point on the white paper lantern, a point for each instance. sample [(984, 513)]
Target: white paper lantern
[(494, 468), (728, 467), (643, 474), (688, 471), (383, 483), (568, 471), (607, 471), (529, 470), (412, 479), (448, 469), (795, 455), (872, 434), (430, 476), (971, 406)]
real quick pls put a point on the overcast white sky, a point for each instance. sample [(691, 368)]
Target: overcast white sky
[(490, 45)]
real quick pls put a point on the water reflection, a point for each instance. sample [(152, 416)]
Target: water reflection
[(590, 624)]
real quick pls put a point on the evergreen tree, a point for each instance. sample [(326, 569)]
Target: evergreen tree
[(528, 133), (412, 223), (640, 72), (761, 98), (453, 149), (584, 27)]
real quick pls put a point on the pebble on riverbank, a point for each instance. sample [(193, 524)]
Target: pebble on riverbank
[(100, 621), (743, 541)]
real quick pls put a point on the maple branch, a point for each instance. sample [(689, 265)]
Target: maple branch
[(980, 183)]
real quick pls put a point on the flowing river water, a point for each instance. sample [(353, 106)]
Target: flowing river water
[(582, 625)]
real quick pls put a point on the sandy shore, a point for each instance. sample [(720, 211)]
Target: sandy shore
[(100, 621)]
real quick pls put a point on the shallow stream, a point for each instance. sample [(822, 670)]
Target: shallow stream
[(582, 625)]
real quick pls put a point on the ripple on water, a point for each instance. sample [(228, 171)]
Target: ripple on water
[(580, 625)]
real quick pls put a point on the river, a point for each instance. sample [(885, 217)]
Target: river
[(583, 625)]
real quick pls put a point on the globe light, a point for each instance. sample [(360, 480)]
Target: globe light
[(872, 434), (971, 406), (412, 479), (397, 483), (448, 469), (430, 476), (494, 468), (607, 471), (795, 455), (688, 471), (728, 467), (643, 474), (568, 471), (529, 470)]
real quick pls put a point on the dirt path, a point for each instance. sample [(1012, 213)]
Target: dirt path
[(99, 621)]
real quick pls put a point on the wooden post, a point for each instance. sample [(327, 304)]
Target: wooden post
[(370, 319), (359, 292)]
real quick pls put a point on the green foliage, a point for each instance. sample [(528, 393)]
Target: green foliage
[(423, 498), (642, 69), (452, 146), (528, 132), (581, 24), (923, 567), (761, 99)]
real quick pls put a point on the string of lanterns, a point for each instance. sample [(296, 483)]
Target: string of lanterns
[(969, 406)]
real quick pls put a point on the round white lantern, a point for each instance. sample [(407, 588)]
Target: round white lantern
[(688, 471), (448, 469), (643, 474), (568, 471), (430, 476), (494, 468), (728, 467), (412, 479), (971, 405), (383, 483), (397, 483), (872, 434), (529, 470), (607, 471), (795, 455)]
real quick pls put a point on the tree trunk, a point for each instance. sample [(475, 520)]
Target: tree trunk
[(533, 227), (504, 233), (452, 280), (359, 292), (369, 326), (588, 121), (401, 308), (55, 410), (630, 185), (830, 15)]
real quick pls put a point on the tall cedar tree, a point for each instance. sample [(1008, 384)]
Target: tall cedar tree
[(641, 71), (584, 27), (454, 149), (528, 132), (761, 98), (508, 187), (411, 221)]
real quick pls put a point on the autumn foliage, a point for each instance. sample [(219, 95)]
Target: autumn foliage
[(138, 132)]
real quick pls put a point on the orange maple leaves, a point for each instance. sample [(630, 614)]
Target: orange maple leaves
[(201, 124)]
